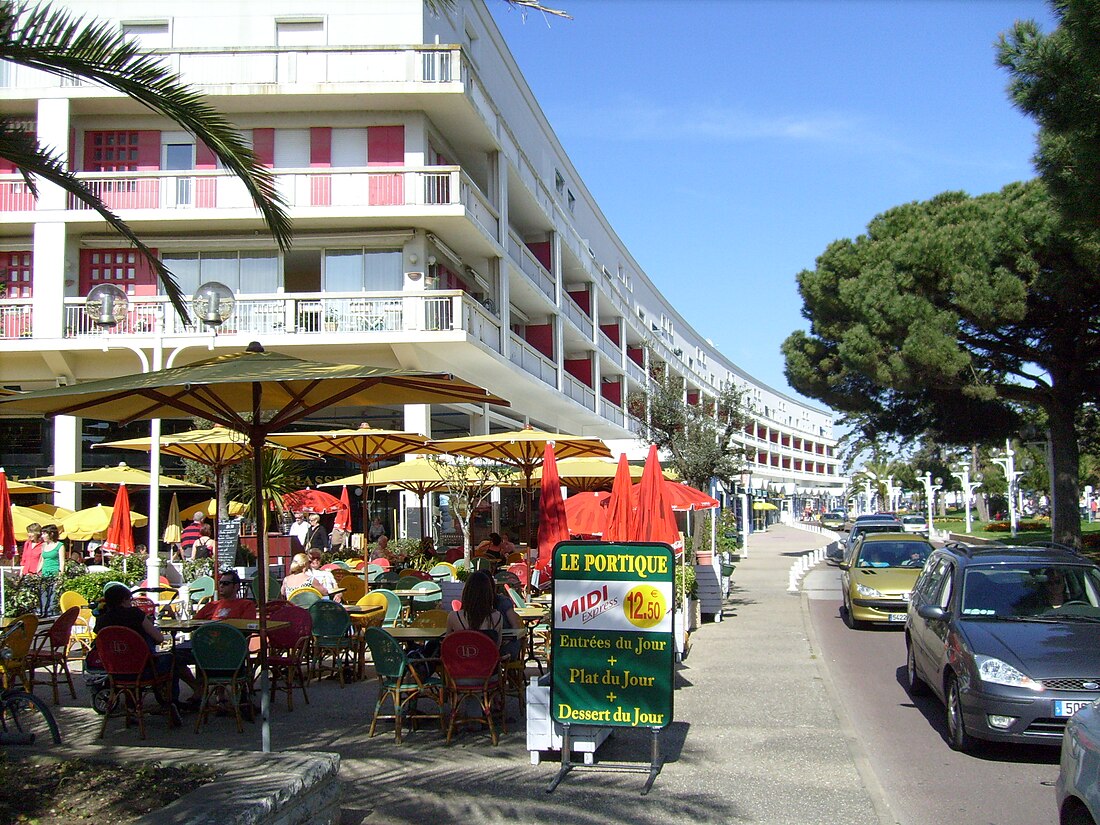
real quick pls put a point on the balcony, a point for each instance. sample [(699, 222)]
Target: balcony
[(635, 372), (575, 314), (531, 267), (609, 348), (528, 358), (583, 395), (612, 413)]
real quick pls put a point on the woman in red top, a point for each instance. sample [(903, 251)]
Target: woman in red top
[(31, 557)]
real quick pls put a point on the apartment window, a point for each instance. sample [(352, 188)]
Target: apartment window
[(357, 270), (243, 272), (15, 274), (570, 200), (300, 32), (559, 182), (149, 34)]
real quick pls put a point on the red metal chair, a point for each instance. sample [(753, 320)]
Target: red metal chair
[(51, 653), (130, 674), (471, 666), (289, 650)]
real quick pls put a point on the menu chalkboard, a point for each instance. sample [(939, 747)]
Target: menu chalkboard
[(229, 540)]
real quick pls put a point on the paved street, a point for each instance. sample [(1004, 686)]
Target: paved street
[(756, 738)]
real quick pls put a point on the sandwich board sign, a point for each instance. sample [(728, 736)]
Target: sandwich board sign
[(612, 646)]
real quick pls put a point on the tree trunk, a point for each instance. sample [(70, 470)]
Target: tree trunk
[(1065, 517)]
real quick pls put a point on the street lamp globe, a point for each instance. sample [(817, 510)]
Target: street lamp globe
[(213, 303), (106, 305)]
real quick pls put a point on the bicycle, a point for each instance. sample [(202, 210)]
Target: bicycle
[(24, 717)]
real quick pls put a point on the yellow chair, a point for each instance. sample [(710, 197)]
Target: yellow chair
[(305, 596), (361, 621), (354, 589), (83, 634), (18, 641), (431, 618), (70, 598)]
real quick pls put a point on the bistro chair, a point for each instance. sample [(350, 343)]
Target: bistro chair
[(515, 596), (18, 639), (221, 653), (516, 558), (416, 574), (507, 577), (289, 649), (51, 653), (390, 600), (430, 618), (354, 588), (471, 662), (382, 562), (373, 571), (331, 639), (201, 591), (305, 597), (481, 563), (82, 628), (407, 582), (331, 566), (460, 564), (400, 684), (431, 596), (442, 572), (130, 675), (70, 598), (387, 578)]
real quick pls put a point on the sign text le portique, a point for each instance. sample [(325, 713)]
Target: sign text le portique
[(612, 645)]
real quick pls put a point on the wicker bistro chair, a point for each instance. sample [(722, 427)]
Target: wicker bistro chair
[(431, 618), (130, 675), (400, 684), (331, 640), (407, 582), (221, 656), (51, 653), (443, 572), (354, 588), (18, 641), (359, 624), (289, 650), (305, 597), (394, 608), (201, 591), (430, 598), (471, 662), (374, 571)]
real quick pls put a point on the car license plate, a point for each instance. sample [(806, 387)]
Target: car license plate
[(897, 617), (1067, 707)]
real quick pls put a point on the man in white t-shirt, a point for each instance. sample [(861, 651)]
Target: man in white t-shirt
[(299, 530)]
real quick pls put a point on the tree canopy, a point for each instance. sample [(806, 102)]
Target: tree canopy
[(954, 314)]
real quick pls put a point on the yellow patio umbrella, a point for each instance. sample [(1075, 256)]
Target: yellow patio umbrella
[(210, 507), (53, 511), (587, 475), (93, 522), (763, 505), (22, 516), (173, 532), (121, 474), (523, 450), (17, 488)]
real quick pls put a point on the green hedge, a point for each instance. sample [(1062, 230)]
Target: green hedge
[(22, 594)]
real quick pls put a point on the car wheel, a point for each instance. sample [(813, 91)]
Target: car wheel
[(1075, 813), (957, 737), (849, 619), (913, 682)]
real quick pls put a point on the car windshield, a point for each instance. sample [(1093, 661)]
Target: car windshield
[(1027, 591), (893, 554)]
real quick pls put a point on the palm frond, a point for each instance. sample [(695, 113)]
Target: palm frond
[(53, 40), (31, 160)]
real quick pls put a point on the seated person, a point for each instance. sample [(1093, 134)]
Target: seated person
[(381, 548), (510, 648), (118, 611), (299, 576), (479, 610), (228, 605), (323, 580), (495, 548)]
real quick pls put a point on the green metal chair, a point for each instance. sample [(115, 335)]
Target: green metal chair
[(393, 606), (201, 590), (331, 639), (442, 573), (401, 684), (431, 600), (387, 578), (221, 654), (407, 583)]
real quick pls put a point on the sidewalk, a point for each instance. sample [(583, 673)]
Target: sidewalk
[(756, 738)]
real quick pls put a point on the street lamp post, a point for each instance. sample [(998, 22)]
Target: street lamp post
[(1007, 462), (963, 475), (929, 495)]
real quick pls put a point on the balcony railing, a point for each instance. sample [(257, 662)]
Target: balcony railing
[(583, 395), (531, 267), (15, 318), (575, 314), (635, 372), (530, 359), (609, 348), (612, 412), (299, 313)]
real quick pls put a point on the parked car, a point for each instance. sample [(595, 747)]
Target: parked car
[(867, 523), (834, 520), (1008, 638), (878, 575), (914, 524), (1077, 789)]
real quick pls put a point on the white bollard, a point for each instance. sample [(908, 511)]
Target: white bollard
[(792, 582)]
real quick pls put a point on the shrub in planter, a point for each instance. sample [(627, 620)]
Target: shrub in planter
[(685, 578), (21, 595), (193, 568)]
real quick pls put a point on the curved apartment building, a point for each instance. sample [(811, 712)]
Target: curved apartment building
[(439, 225)]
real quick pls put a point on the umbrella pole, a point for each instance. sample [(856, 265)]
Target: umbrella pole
[(262, 573), (365, 508)]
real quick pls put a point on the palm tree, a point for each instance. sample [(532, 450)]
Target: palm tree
[(53, 40)]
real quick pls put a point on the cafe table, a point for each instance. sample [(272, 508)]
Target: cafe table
[(532, 616)]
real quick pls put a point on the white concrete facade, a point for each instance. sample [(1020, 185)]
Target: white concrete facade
[(439, 224)]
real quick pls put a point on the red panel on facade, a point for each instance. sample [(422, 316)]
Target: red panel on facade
[(320, 146), (611, 331), (541, 337), (583, 300), (581, 369), (148, 155), (612, 391), (541, 251), (263, 145), (385, 146), (124, 268), (693, 398), (16, 269), (204, 156), (637, 355)]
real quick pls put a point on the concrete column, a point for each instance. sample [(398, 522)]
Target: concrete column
[(67, 458), (52, 129), (479, 422), (48, 302)]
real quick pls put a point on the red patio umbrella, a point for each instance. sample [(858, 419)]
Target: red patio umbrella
[(620, 507), (8, 543), (654, 520), (120, 532), (311, 501), (343, 515), (553, 526), (586, 513), (681, 497)]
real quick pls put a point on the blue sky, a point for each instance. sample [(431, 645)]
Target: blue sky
[(729, 142)]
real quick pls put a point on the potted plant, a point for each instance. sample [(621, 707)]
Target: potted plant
[(332, 319)]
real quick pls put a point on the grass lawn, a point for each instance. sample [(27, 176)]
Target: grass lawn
[(957, 525)]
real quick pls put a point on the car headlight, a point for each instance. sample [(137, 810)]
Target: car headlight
[(997, 672), (867, 592)]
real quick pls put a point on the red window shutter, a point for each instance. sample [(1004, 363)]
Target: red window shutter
[(124, 268), (148, 150), (204, 156), (386, 146), (263, 144), (320, 146)]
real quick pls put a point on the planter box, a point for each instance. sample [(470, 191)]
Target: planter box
[(704, 557), (544, 734)]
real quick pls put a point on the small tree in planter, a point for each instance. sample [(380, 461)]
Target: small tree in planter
[(469, 483)]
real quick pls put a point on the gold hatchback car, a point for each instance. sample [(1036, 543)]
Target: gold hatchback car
[(878, 575)]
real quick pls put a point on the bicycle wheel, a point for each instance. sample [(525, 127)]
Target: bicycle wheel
[(26, 713)]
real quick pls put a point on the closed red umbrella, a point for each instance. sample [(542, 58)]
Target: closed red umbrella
[(654, 520), (620, 507), (553, 524), (120, 532), (681, 497), (311, 501), (586, 513), (8, 542), (343, 515)]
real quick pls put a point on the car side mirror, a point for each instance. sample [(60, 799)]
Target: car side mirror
[(844, 565), (932, 611)]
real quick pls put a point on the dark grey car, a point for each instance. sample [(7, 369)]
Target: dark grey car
[(1008, 638), (863, 524)]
